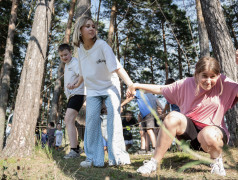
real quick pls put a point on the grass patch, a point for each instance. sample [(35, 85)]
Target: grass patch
[(49, 164)]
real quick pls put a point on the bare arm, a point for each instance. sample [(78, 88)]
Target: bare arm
[(152, 88), (124, 76), (76, 83), (127, 101)]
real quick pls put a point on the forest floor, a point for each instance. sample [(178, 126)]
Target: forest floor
[(51, 165)]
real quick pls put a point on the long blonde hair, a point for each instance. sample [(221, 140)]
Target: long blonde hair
[(207, 64), (77, 36)]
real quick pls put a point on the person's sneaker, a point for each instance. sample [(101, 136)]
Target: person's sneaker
[(141, 151), (86, 164), (217, 167), (71, 154), (148, 167)]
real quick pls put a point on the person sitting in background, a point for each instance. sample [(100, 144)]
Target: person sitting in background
[(127, 124)]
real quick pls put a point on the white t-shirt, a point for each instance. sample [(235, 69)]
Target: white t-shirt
[(96, 66), (71, 72), (58, 137)]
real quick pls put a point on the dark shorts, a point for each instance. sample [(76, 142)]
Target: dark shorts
[(76, 102), (191, 133), (148, 122)]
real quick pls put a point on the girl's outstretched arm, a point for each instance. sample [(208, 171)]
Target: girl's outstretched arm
[(124, 76), (151, 88)]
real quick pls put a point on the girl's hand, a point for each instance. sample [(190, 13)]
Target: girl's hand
[(130, 91)]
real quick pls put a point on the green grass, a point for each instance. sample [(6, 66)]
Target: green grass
[(49, 164)]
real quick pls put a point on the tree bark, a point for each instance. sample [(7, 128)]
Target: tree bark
[(152, 70), (99, 7), (83, 8), (59, 81), (6, 70), (112, 24), (43, 79), (224, 52), (202, 32), (21, 141), (180, 63), (165, 53)]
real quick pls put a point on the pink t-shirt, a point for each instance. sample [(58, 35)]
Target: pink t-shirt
[(206, 108)]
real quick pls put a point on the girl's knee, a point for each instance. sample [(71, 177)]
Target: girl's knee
[(211, 136), (174, 118)]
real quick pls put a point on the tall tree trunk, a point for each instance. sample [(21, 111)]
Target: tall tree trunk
[(59, 110), (180, 63), (48, 93), (59, 81), (152, 70), (99, 7), (224, 52), (126, 64), (83, 8), (230, 25), (43, 79), (70, 20), (202, 32), (112, 24), (21, 141), (6, 70), (165, 53)]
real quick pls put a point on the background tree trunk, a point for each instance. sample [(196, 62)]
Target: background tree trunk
[(112, 24), (21, 141), (83, 8), (180, 63), (165, 53), (99, 7), (6, 70), (224, 52), (59, 81), (202, 32)]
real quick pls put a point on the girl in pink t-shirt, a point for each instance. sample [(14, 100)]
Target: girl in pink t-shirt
[(203, 101)]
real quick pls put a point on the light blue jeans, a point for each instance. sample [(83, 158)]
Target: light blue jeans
[(93, 142)]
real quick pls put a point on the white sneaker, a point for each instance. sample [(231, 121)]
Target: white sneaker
[(71, 154), (86, 163), (148, 167), (217, 167)]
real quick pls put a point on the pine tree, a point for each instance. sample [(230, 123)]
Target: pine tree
[(22, 140), (224, 52), (6, 70)]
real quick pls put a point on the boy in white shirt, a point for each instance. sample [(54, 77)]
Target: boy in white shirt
[(58, 137), (76, 97)]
